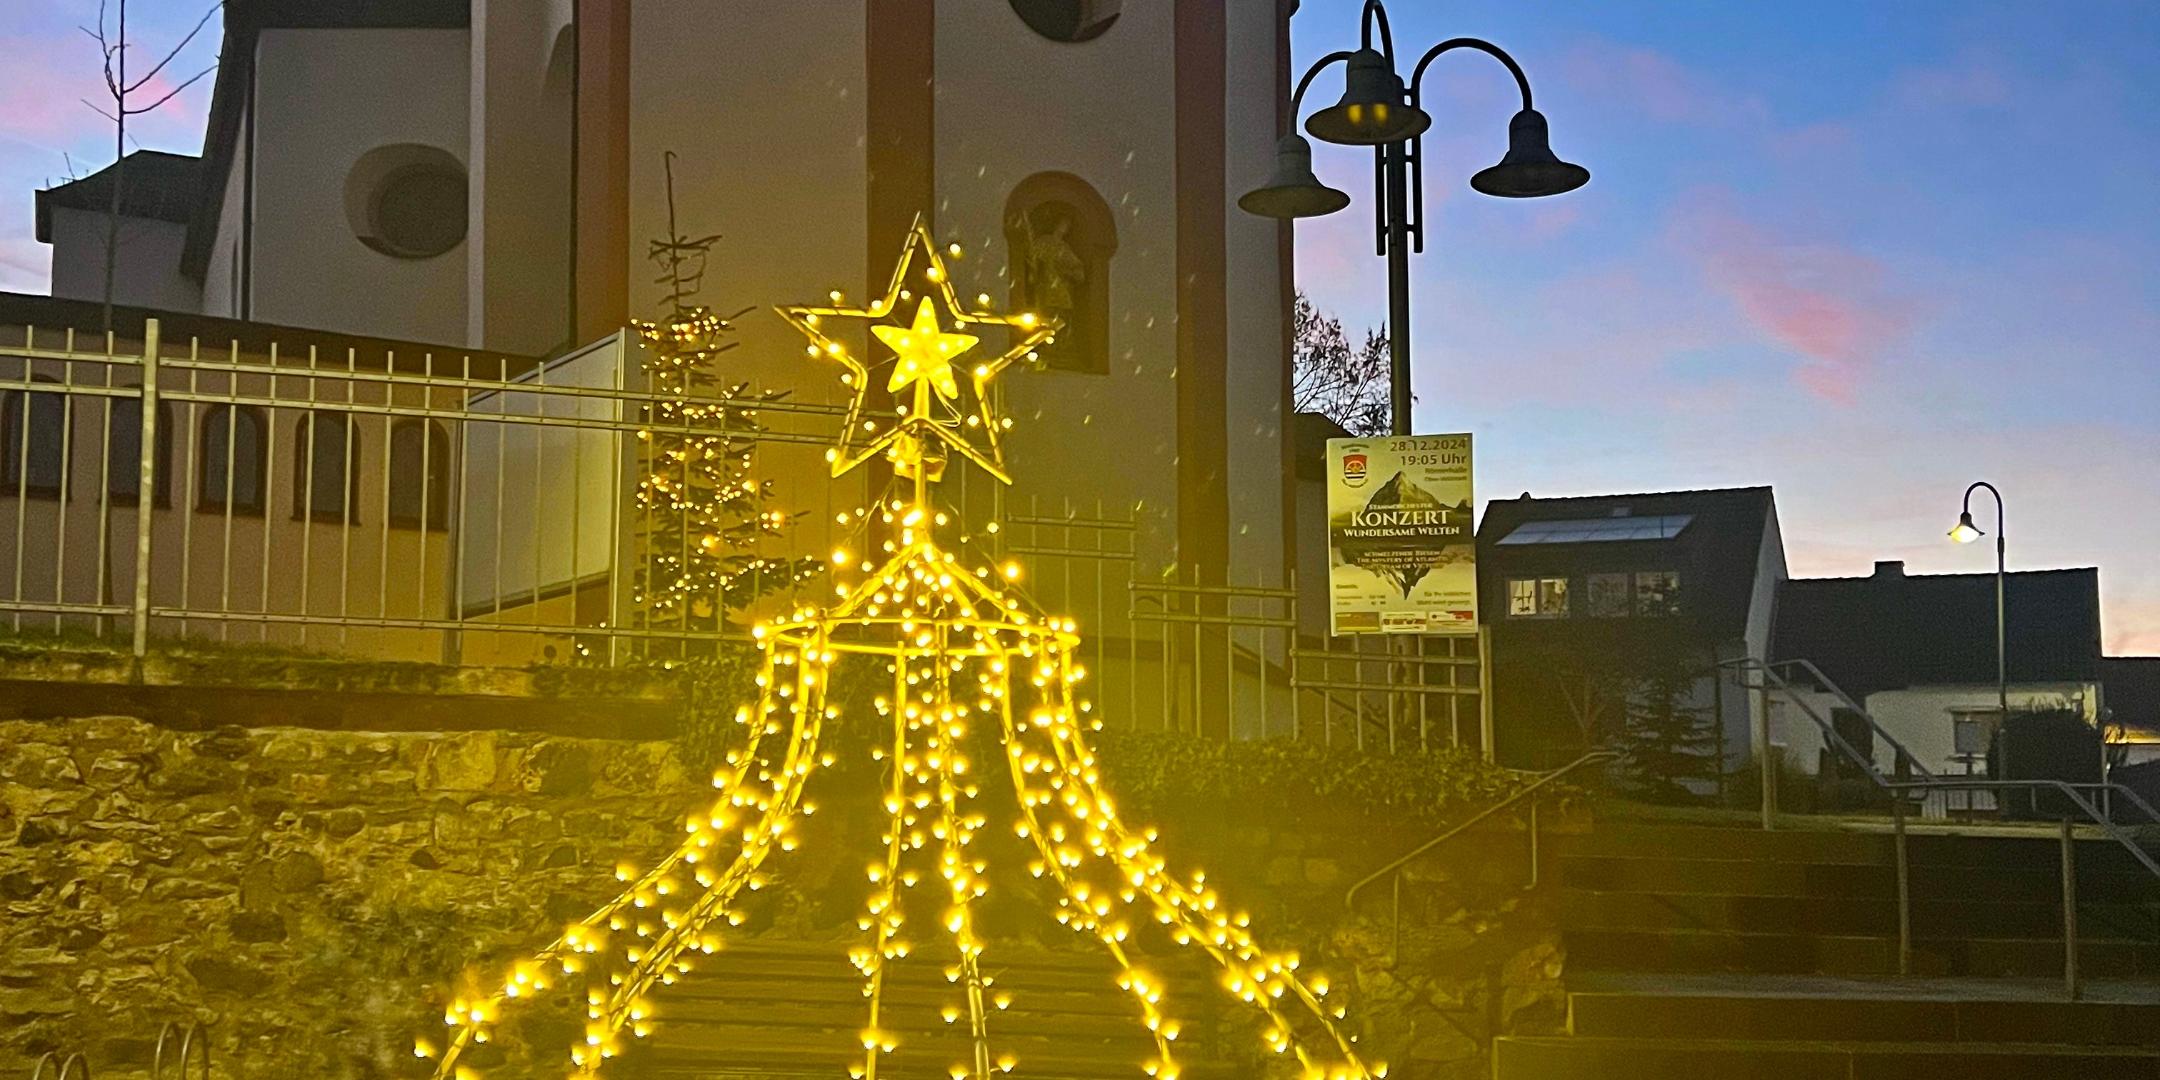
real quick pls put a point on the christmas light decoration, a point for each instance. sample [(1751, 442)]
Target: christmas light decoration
[(700, 511), (971, 662)]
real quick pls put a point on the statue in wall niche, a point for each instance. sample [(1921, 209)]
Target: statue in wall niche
[(1052, 274)]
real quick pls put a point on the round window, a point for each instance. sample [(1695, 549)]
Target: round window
[(1067, 20), (407, 201)]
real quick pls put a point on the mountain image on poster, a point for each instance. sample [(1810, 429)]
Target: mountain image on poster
[(1390, 537)]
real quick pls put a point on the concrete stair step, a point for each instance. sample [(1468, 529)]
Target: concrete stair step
[(788, 1009), (2022, 848), (1868, 1015), (1576, 1058), (1977, 918), (1689, 871), (1845, 954)]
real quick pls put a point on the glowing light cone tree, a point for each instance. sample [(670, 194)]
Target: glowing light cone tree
[(983, 688)]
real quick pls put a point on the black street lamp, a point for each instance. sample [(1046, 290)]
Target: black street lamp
[(1966, 532), (1379, 110)]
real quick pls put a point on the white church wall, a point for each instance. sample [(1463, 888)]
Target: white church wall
[(765, 112), (326, 98), (1257, 424), (221, 284), (519, 166), (1012, 103)]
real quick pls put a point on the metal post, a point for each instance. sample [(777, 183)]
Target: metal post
[(1398, 274), (2069, 897), (1533, 843), (1766, 762), (1484, 693), (145, 498), (1904, 885)]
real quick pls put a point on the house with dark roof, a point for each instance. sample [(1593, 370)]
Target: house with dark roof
[(1576, 591), (158, 195), (1917, 651)]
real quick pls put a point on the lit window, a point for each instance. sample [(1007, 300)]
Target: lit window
[(1608, 596), (1537, 598), (1657, 592)]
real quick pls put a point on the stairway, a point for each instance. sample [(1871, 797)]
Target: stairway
[(1737, 953), (767, 1009)]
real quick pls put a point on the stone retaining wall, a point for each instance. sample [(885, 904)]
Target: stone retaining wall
[(311, 893)]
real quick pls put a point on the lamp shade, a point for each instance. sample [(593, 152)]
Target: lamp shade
[(1293, 191), (1965, 532), (1530, 169), (1372, 110)]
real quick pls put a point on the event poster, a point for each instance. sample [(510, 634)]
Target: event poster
[(1402, 546)]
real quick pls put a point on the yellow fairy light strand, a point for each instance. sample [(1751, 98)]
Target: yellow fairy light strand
[(943, 626)]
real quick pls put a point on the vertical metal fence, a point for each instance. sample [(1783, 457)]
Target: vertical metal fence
[(447, 507), (419, 505)]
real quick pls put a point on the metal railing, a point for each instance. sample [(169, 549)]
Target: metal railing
[(177, 1045), (192, 1042), (398, 505), (1912, 781), (1174, 649), (1532, 791)]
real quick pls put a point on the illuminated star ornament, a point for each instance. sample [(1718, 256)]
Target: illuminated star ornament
[(927, 351), (980, 687)]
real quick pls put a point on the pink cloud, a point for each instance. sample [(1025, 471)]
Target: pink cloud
[(1970, 82), (1659, 86), (1824, 301)]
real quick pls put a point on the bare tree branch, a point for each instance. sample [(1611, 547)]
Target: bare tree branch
[(176, 50), (101, 112), (174, 92)]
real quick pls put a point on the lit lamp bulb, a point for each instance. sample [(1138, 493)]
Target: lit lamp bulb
[(1966, 532)]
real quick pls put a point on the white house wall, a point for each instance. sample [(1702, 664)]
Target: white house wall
[(146, 270), (325, 97)]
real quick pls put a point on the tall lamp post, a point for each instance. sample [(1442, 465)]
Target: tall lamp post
[(1379, 110), (1966, 532)]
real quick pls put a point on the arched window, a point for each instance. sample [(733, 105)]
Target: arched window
[(235, 447), (419, 474), (1060, 236), (326, 486), (38, 439), (123, 452), (1067, 20)]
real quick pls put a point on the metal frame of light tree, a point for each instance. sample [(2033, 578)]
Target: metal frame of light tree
[(966, 652)]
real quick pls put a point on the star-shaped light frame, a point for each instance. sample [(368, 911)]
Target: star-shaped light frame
[(971, 429)]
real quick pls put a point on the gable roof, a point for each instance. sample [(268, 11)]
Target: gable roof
[(1893, 630), (1717, 549), (153, 184), (1311, 431)]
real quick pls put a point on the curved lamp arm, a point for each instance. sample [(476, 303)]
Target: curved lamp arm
[(1297, 99), (1417, 75), (1977, 485), (1376, 12)]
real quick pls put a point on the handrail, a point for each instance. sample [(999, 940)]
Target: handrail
[(1900, 790), (1544, 779), (2069, 791), (70, 1066), (194, 1041), (1829, 730)]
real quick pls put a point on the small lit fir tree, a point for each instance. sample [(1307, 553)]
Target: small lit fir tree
[(701, 514)]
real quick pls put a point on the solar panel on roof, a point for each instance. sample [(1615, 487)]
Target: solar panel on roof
[(1594, 530)]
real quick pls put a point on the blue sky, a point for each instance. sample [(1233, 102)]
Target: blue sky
[(1864, 252)]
